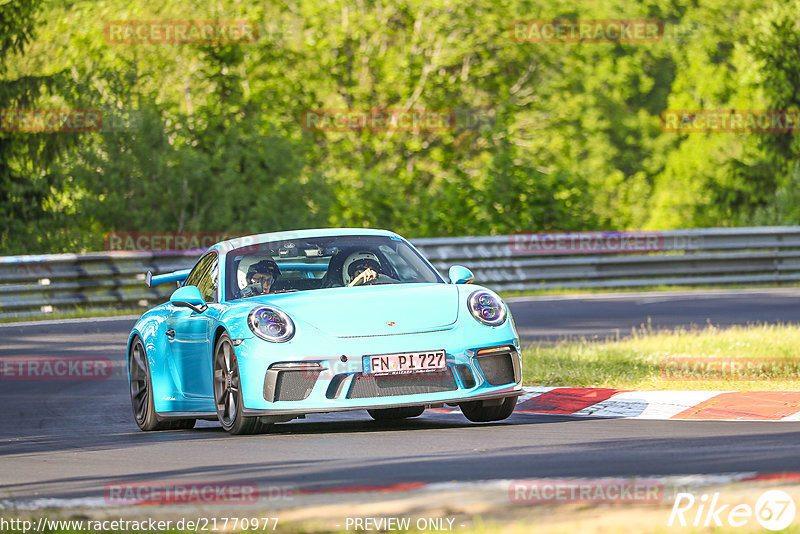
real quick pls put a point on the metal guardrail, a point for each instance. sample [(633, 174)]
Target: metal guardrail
[(40, 285)]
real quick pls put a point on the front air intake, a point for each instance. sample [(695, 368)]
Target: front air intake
[(290, 383), (467, 378), (500, 367), (367, 386)]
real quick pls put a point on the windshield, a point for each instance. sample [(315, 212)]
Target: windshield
[(323, 262)]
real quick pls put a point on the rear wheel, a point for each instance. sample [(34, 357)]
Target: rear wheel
[(228, 392), (141, 388), (393, 414), (485, 411)]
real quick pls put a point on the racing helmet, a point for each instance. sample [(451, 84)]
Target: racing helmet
[(265, 267), (355, 260)]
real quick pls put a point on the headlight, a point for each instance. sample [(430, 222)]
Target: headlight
[(271, 324), (487, 308)]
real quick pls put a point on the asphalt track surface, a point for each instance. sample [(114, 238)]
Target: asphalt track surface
[(69, 439)]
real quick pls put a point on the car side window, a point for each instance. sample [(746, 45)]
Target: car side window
[(204, 276)]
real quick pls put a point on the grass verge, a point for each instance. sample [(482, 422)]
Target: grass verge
[(741, 358), (554, 292)]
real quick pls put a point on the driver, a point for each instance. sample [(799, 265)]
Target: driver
[(361, 268), (260, 277)]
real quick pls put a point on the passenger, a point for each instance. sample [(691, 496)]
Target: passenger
[(260, 278)]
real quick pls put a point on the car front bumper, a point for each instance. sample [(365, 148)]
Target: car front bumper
[(286, 379)]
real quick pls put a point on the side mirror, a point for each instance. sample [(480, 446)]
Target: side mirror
[(189, 297), (460, 275)]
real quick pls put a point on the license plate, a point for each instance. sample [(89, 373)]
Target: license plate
[(405, 362)]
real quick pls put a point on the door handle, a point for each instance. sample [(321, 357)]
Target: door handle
[(171, 334)]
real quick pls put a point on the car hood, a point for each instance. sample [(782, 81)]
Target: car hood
[(372, 310)]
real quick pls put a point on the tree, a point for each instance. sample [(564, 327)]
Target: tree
[(25, 157)]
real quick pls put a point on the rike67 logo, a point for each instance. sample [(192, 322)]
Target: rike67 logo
[(774, 510)]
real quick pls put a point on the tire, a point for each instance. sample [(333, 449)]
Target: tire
[(228, 392), (394, 414), (476, 412), (141, 389)]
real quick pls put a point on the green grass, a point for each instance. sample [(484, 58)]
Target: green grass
[(639, 362), (600, 291)]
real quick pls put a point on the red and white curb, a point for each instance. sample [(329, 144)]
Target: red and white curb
[(679, 405)]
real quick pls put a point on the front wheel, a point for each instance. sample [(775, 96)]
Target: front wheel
[(141, 387), (228, 392), (394, 414), (480, 412)]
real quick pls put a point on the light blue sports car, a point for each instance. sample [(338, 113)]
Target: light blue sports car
[(271, 327)]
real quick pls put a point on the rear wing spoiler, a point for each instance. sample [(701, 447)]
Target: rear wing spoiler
[(151, 280)]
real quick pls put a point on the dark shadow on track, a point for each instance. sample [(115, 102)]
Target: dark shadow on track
[(485, 454)]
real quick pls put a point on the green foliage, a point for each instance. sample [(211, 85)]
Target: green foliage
[(547, 136), (25, 158), (776, 49)]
